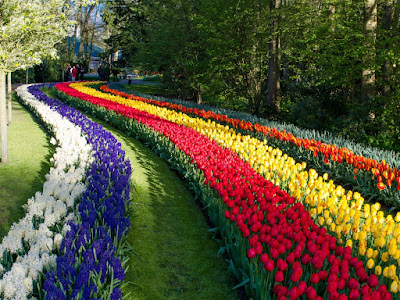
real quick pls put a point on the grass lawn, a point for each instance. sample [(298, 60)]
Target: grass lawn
[(148, 88), (29, 153)]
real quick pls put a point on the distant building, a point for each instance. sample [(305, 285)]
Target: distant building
[(94, 64)]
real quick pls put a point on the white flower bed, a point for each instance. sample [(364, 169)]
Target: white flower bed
[(64, 184)]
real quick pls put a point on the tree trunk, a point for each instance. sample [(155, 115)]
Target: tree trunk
[(92, 35), (332, 11), (62, 73), (256, 74), (370, 26), (27, 76), (78, 20), (9, 98), (386, 65), (273, 95), (3, 118), (84, 29), (396, 15), (199, 99)]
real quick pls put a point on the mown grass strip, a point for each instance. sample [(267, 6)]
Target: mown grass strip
[(29, 153)]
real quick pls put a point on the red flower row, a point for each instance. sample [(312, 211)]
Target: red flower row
[(280, 232)]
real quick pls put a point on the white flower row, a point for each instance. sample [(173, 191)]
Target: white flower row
[(64, 184)]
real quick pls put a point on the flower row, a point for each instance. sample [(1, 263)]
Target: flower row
[(377, 179), (288, 253), (341, 212), (99, 221)]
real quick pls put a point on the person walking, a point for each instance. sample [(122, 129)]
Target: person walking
[(74, 73), (68, 73), (82, 72), (78, 72)]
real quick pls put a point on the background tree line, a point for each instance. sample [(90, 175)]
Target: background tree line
[(323, 64)]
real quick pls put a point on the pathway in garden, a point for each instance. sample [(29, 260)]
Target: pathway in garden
[(29, 153), (176, 257)]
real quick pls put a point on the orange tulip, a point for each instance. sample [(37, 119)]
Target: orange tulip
[(381, 186)]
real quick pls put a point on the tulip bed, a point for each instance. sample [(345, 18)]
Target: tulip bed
[(371, 235), (273, 241), (374, 172), (74, 230)]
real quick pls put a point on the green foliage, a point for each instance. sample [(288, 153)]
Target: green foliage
[(19, 76), (218, 51), (149, 89), (48, 71)]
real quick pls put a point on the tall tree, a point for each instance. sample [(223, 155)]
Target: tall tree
[(28, 33), (370, 27), (273, 96)]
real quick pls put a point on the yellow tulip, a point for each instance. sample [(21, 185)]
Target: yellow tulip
[(370, 263), (378, 270), (370, 252), (385, 257), (394, 288), (397, 218), (392, 249)]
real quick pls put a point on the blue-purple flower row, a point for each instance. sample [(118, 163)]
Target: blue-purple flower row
[(89, 263)]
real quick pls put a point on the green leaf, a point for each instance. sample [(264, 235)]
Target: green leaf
[(241, 284)]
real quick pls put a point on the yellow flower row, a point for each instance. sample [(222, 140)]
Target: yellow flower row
[(342, 212)]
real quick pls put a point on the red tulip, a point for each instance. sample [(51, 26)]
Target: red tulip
[(251, 253), (264, 258), (333, 296), (353, 284), (332, 287), (293, 293), (323, 274), (373, 280), (314, 279), (296, 275), (354, 294), (311, 293), (269, 265), (365, 290), (279, 277), (227, 214)]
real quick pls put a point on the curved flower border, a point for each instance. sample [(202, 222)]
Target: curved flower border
[(327, 203), (29, 247), (271, 235)]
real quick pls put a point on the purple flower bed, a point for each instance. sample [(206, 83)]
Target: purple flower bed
[(89, 263)]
